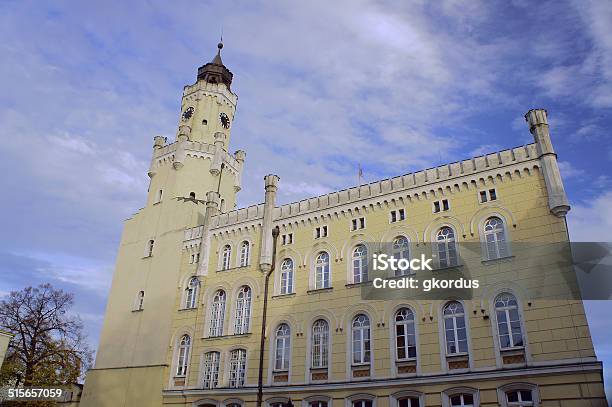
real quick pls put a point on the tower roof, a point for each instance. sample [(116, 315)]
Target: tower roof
[(215, 71)]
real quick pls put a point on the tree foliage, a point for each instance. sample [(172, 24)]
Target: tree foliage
[(49, 346)]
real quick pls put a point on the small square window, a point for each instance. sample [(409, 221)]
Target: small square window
[(441, 205), (492, 194), (287, 239), (487, 195), (483, 196), (320, 232), (357, 223)]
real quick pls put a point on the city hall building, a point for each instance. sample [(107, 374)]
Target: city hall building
[(183, 323)]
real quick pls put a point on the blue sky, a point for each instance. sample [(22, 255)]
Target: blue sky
[(323, 86)]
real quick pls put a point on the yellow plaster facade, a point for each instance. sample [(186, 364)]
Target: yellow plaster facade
[(187, 296)]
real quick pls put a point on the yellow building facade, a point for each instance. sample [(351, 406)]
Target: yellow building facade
[(184, 317)]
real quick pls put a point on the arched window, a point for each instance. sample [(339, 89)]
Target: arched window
[(226, 257), (320, 344), (217, 314), (401, 250), (150, 245), (211, 370), (361, 339), (183, 355), (462, 400), (286, 277), (454, 328), (495, 238), (237, 371), (508, 321), (317, 404), (322, 275), (405, 337), (360, 264), (447, 249), (282, 347), (191, 292), (244, 253), (192, 195), (519, 398), (362, 403), (243, 310)]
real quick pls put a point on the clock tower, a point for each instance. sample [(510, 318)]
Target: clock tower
[(191, 178)]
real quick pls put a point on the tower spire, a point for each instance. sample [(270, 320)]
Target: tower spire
[(215, 71)]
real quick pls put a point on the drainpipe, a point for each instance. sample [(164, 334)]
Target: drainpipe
[(262, 343)]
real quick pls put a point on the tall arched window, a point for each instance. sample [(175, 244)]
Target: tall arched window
[(401, 250), (508, 321), (237, 371), (211, 370), (286, 277), (226, 258), (183, 355), (361, 339), (243, 310), (405, 337), (139, 305), (282, 347), (447, 249), (322, 274), (360, 264), (320, 344), (244, 253), (454, 328), (191, 292), (217, 314), (495, 238)]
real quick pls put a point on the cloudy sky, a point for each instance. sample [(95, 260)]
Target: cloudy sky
[(323, 86)]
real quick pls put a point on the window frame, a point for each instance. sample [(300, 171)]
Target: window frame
[(395, 398), (240, 365), (226, 257), (359, 264), (282, 364), (455, 329), (503, 390), (245, 254), (242, 310), (508, 323), (323, 345), (398, 272), (365, 344), (325, 271), (405, 324), (183, 352), (209, 368), (217, 313), (447, 247), (455, 391), (287, 277), (191, 293), (497, 242)]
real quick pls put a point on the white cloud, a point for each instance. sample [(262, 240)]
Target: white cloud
[(592, 221), (568, 170)]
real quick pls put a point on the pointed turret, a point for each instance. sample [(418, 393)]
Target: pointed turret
[(215, 71)]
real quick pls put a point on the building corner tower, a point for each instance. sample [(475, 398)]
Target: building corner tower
[(190, 178)]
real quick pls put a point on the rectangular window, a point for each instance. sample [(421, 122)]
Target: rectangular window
[(320, 232), (287, 239), (357, 223), (398, 215), (492, 194), (441, 205), (487, 195)]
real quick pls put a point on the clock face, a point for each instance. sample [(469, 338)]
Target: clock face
[(187, 113), (225, 121)]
